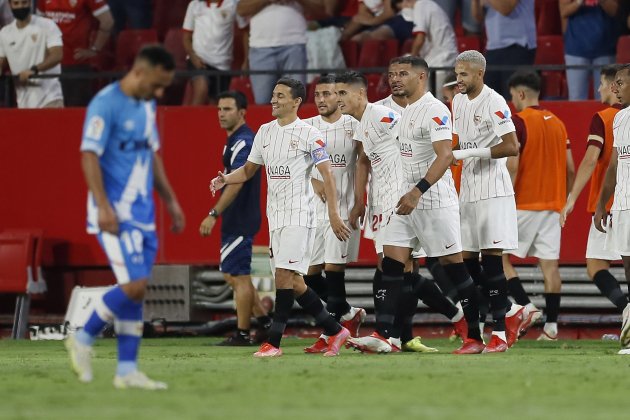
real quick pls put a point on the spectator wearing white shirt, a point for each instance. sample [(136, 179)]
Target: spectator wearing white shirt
[(434, 39), (32, 45), (208, 40), (277, 40)]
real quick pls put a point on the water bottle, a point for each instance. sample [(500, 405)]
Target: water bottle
[(610, 337)]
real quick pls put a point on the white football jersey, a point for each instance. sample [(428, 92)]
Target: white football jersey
[(288, 153), (423, 122), (341, 148), (390, 103), (621, 136), (377, 131), (480, 123)]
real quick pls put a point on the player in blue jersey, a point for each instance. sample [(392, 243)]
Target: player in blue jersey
[(121, 166), (239, 207)]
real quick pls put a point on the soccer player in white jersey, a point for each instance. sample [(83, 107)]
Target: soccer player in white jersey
[(427, 213), (288, 147), (379, 149), (481, 119), (618, 180), (122, 167), (329, 253)]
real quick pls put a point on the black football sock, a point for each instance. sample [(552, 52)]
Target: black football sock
[(467, 296), (284, 303), (378, 292), (515, 287), (497, 289), (336, 304), (312, 305), (264, 321), (432, 296), (608, 285), (406, 309), (317, 283), (441, 278), (484, 305), (392, 284), (552, 304)]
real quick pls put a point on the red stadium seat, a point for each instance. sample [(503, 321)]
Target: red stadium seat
[(375, 90), (375, 53), (243, 85), (406, 46), (553, 85), (550, 50), (468, 42), (238, 49), (173, 43), (548, 21), (168, 14), (623, 49), (350, 50), (130, 41)]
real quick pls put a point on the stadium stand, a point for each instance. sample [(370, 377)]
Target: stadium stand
[(548, 20), (468, 42), (168, 14), (551, 51), (129, 43), (623, 49)]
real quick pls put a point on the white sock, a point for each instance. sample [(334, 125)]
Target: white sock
[(531, 307), (514, 309), (458, 316), (551, 328), (482, 325), (500, 334)]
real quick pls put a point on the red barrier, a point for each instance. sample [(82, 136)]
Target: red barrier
[(42, 185)]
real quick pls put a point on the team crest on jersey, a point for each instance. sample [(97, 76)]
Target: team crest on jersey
[(477, 119), (293, 144)]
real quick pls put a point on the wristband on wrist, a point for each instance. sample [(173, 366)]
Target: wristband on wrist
[(423, 185)]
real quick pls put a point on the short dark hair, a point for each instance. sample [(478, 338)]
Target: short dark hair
[(297, 88), (326, 79), (528, 79), (352, 78), (609, 71), (415, 62), (625, 67), (157, 55), (450, 79), (239, 98)]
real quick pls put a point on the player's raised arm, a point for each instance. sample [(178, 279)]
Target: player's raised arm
[(239, 176), (164, 189)]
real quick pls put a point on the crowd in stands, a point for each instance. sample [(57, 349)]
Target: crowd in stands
[(272, 38)]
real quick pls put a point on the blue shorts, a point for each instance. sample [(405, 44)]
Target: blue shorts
[(402, 29), (236, 254), (131, 254)]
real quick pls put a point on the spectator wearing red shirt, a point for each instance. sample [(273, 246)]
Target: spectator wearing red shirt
[(77, 19)]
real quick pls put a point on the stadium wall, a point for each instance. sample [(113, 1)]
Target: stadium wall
[(42, 185)]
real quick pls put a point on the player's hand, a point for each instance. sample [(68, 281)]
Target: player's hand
[(566, 211), (107, 221), (339, 228), (83, 54), (178, 220), (318, 188), (357, 214), (196, 61), (217, 183), (408, 202), (25, 75), (206, 225), (600, 219)]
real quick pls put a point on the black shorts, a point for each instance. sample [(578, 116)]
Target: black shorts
[(216, 83)]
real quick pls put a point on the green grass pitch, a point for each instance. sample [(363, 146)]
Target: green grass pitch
[(562, 380)]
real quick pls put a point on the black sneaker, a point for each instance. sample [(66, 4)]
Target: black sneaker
[(236, 340)]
